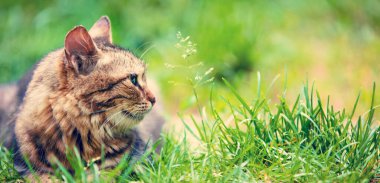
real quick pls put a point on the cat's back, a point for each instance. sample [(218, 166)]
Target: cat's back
[(12, 95), (44, 74)]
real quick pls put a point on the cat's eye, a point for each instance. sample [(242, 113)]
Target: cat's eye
[(134, 79)]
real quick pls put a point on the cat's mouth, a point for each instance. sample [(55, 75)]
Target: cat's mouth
[(133, 116)]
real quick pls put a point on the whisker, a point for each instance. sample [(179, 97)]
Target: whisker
[(146, 51), (116, 124), (142, 45), (134, 118), (109, 118), (120, 120)]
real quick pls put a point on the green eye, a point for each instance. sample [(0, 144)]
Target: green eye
[(134, 79)]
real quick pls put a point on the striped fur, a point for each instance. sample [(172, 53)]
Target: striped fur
[(82, 96)]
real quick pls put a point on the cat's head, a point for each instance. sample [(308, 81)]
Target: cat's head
[(107, 80)]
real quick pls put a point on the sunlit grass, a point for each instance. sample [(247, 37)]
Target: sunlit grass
[(244, 133)]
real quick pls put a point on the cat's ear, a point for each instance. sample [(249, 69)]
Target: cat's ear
[(80, 50), (102, 29)]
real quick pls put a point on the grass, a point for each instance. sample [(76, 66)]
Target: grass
[(305, 141), (242, 135)]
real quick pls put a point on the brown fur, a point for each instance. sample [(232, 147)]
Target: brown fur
[(82, 96)]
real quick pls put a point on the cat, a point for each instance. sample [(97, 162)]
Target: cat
[(90, 95)]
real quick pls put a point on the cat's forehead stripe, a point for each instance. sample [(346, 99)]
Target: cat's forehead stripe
[(121, 58)]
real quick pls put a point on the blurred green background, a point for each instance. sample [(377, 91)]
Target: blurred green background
[(334, 44)]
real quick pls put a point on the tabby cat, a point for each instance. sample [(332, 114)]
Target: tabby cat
[(90, 95)]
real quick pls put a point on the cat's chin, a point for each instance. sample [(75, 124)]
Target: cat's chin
[(124, 120), (137, 117)]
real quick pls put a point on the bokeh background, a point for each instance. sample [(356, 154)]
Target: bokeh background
[(334, 44)]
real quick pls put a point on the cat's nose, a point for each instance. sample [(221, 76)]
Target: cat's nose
[(150, 97), (152, 100)]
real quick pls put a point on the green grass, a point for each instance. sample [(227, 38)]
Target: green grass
[(307, 140), (244, 133)]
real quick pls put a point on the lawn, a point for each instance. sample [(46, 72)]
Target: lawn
[(253, 90), (307, 140)]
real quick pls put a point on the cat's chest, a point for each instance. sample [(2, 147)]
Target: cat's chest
[(120, 150)]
